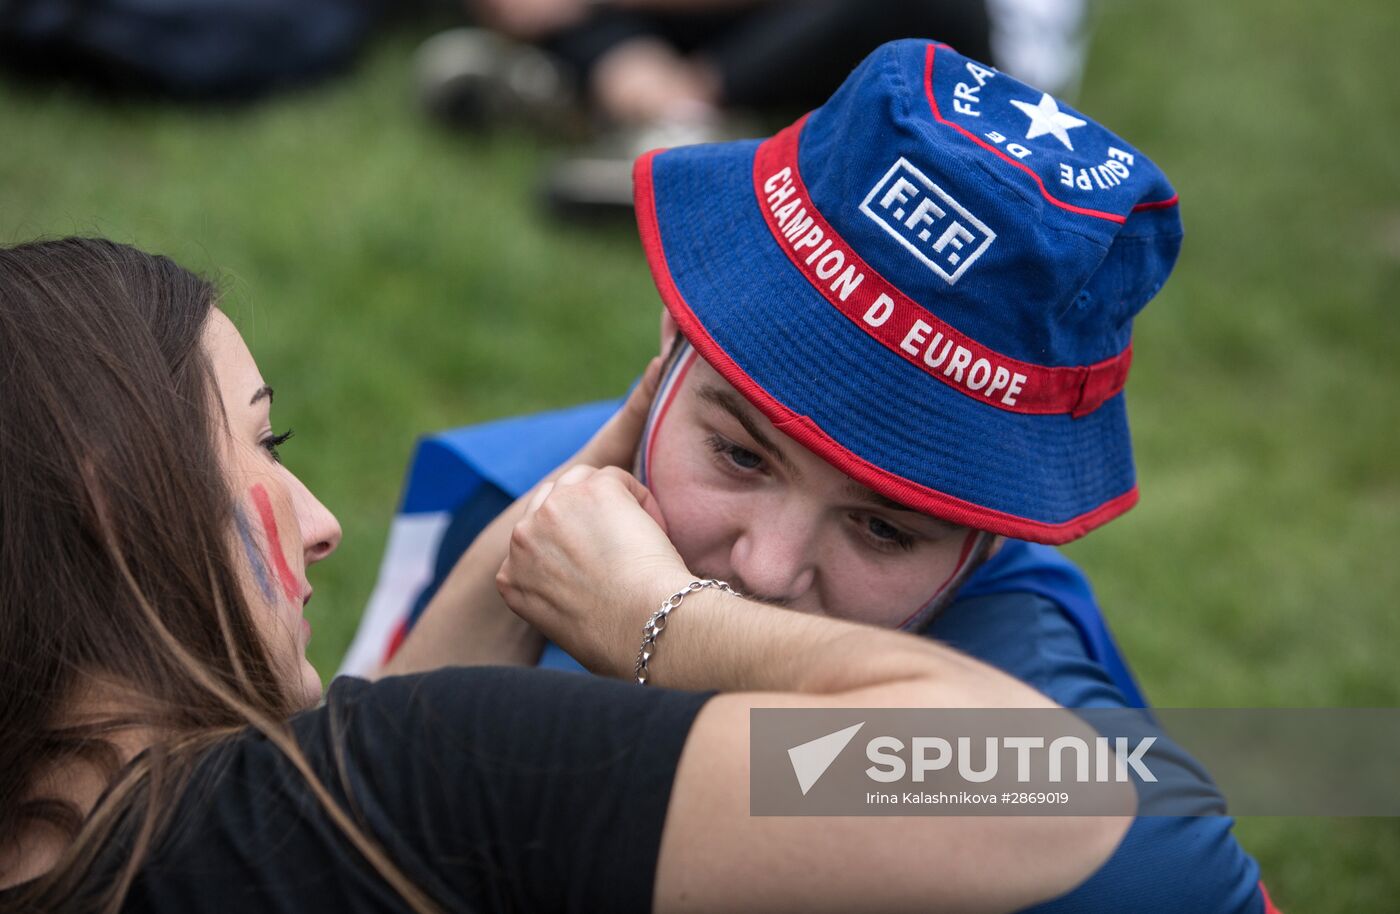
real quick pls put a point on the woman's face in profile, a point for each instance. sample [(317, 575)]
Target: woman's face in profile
[(280, 527)]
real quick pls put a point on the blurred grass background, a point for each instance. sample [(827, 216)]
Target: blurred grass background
[(392, 279)]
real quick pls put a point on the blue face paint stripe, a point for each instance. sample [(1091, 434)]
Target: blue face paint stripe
[(255, 556)]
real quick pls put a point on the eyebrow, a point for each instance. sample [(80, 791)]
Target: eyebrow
[(855, 490), (730, 404), (263, 391), (859, 492)]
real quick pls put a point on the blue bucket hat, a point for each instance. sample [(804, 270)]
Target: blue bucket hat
[(929, 282)]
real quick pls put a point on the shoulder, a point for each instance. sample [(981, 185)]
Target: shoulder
[(477, 782), (1029, 636), (486, 700), (398, 737)]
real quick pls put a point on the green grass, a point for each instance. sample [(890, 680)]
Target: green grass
[(392, 280)]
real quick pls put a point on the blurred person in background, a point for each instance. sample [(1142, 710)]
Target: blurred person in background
[(673, 72), (194, 50)]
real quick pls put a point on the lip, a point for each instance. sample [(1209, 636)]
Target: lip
[(305, 623)]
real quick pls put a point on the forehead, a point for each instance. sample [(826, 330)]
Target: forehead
[(707, 393), (811, 472), (235, 371)]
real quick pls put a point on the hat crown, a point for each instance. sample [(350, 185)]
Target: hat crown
[(929, 282), (1002, 211)]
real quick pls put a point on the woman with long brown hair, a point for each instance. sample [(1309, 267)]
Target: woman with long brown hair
[(163, 746)]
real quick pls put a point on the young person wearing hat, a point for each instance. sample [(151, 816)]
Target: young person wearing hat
[(904, 332)]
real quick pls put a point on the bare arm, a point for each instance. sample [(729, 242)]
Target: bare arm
[(715, 856), (685, 6), (588, 564), (534, 19)]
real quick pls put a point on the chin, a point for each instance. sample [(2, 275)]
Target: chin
[(309, 687)]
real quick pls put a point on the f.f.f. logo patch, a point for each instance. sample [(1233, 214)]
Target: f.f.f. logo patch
[(927, 221)]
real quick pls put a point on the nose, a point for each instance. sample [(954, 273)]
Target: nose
[(320, 531), (774, 555)]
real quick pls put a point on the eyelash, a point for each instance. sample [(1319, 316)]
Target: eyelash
[(725, 451), (901, 541), (272, 443)]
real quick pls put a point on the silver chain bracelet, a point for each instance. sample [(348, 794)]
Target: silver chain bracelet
[(657, 623)]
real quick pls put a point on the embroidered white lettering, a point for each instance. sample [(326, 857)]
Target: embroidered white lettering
[(880, 312), (915, 337), (847, 282), (831, 264), (777, 179), (1014, 389), (961, 359)]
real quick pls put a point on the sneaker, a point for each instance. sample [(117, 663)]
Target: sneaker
[(475, 79), (597, 183)]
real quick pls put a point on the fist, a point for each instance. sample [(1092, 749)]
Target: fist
[(588, 564)]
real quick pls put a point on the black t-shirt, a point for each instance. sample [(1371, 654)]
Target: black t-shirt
[(493, 789)]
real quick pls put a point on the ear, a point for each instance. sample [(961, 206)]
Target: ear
[(668, 331)]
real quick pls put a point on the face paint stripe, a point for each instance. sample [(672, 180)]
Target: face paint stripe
[(968, 543), (683, 368), (288, 580), (255, 556), (663, 394)]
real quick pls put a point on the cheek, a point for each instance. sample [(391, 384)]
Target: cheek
[(274, 534), (702, 526), (701, 519), (255, 556)]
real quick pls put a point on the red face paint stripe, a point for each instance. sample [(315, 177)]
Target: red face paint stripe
[(290, 585), (933, 106), (806, 432), (952, 575), (877, 307)]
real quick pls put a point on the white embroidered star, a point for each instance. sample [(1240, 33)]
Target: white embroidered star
[(1047, 117)]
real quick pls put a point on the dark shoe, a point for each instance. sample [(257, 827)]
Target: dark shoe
[(596, 183), (475, 79)]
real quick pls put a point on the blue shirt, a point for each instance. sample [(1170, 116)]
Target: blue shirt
[(1027, 611)]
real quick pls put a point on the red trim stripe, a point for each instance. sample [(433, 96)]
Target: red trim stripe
[(1159, 204), (1269, 907), (807, 433), (904, 324), (1083, 211), (396, 639), (952, 575)]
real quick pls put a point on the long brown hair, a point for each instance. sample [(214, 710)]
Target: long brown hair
[(115, 559)]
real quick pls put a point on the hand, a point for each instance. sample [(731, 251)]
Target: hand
[(615, 444), (645, 80), (467, 623), (589, 563), (529, 20)]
